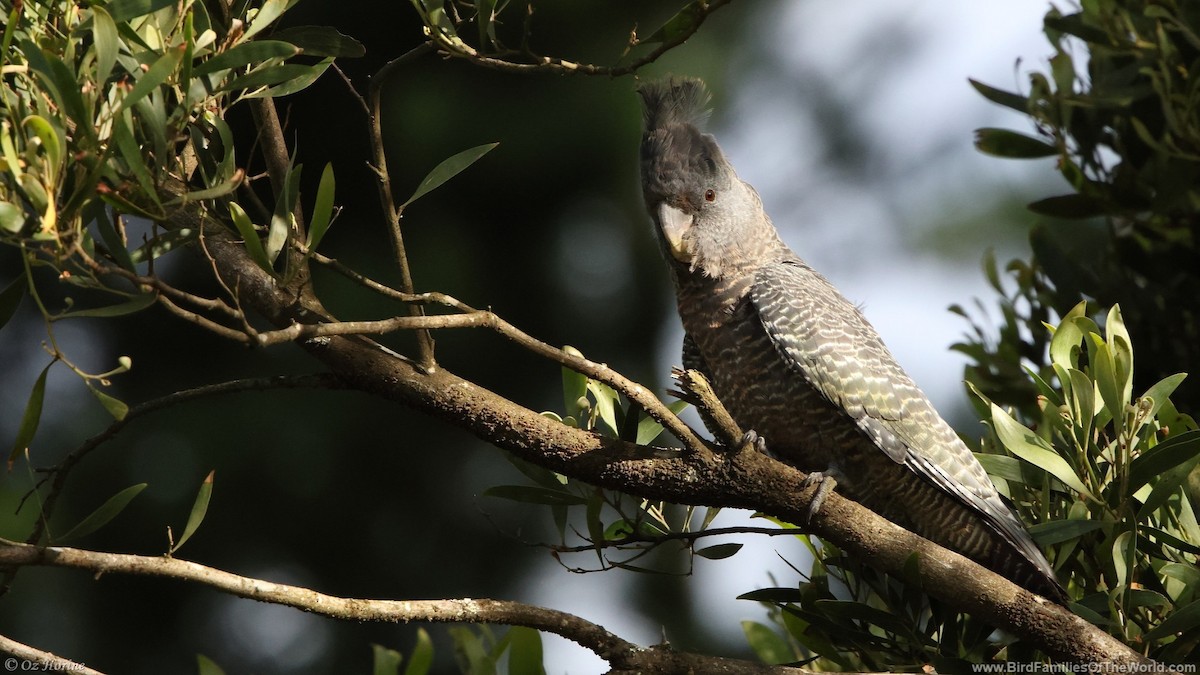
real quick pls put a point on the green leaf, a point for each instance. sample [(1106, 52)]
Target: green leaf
[(1005, 143), (270, 12), (1004, 98), (649, 429), (10, 299), (131, 152), (135, 304), (157, 74), (574, 387), (448, 169), (112, 240), (164, 243), (778, 595), (33, 415), (12, 217), (206, 666), (470, 648), (101, 516), (1064, 344), (322, 216), (52, 143), (199, 510), (385, 661), (768, 645), (606, 403), (1183, 619), (1027, 445), (1122, 553), (421, 659), (295, 84), (524, 651), (719, 551), (282, 219), (1169, 482), (107, 42), (115, 406), (254, 245), (534, 495), (1176, 450), (256, 51), (1058, 531), (679, 26), (124, 10), (1070, 207), (1161, 392), (321, 41), (267, 76)]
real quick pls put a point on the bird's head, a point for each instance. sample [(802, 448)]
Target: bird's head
[(708, 219)]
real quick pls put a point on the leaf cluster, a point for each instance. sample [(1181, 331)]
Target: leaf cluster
[(1117, 109)]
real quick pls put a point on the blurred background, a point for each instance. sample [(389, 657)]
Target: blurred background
[(853, 120)]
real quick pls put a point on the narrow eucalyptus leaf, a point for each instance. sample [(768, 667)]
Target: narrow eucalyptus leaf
[(254, 245), (135, 304), (158, 73), (199, 510), (385, 661), (123, 10), (524, 651), (1027, 445), (101, 516), (33, 415), (115, 406), (719, 551), (321, 41), (245, 54), (421, 659), (322, 215), (448, 169)]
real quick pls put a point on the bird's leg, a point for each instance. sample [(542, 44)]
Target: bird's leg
[(825, 483)]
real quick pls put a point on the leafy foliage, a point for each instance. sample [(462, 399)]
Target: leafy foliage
[(612, 522), (1124, 133)]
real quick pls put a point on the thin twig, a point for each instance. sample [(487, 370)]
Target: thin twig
[(485, 319), (387, 200), (38, 660), (459, 49), (691, 537)]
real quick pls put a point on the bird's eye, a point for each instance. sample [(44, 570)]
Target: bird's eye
[(710, 195)]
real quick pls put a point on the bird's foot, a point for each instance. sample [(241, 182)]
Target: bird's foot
[(752, 441), (825, 484)]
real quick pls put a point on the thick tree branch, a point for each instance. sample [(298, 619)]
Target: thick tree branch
[(741, 480), (622, 654)]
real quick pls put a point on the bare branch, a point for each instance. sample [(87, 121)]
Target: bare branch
[(454, 47), (621, 653), (43, 660), (387, 199)]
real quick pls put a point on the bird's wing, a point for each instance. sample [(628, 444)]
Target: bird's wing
[(826, 340)]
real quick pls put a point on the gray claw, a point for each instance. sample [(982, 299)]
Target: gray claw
[(751, 439), (825, 484)]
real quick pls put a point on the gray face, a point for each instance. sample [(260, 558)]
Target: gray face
[(706, 216)]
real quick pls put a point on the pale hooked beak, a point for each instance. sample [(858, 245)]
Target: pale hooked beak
[(674, 223)]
